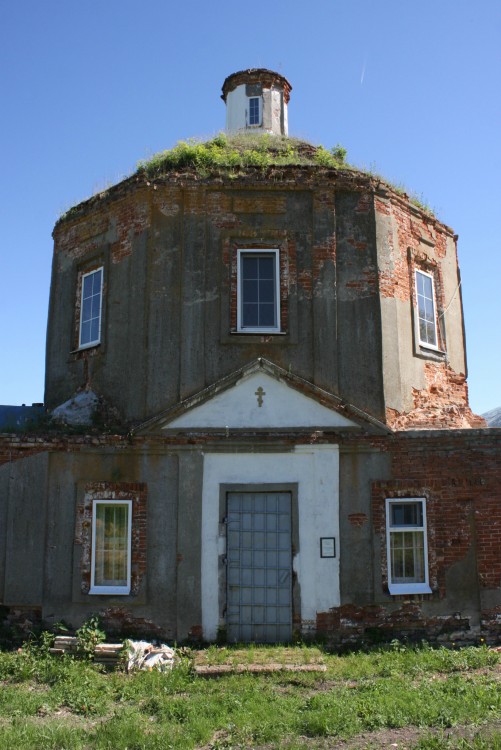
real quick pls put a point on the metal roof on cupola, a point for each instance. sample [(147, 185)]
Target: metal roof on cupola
[(256, 101)]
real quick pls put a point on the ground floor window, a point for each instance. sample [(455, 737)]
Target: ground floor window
[(407, 548), (111, 547)]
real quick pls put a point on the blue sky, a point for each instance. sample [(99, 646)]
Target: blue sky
[(412, 90)]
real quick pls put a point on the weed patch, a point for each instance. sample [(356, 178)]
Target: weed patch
[(62, 702), (240, 152)]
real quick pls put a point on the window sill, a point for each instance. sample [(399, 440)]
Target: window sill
[(257, 332), (430, 348), (405, 589), (110, 591), (426, 352), (87, 346)]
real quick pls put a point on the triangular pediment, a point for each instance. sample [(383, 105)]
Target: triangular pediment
[(259, 401), (261, 396)]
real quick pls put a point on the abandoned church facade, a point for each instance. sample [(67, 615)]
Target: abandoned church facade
[(281, 349)]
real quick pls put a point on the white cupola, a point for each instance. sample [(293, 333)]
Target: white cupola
[(256, 101)]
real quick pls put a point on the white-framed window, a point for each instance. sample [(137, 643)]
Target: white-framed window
[(258, 305), (254, 110), (90, 308), (407, 546), (426, 310), (111, 546)]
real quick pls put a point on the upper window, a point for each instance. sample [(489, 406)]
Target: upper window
[(254, 115), (111, 547), (407, 547), (90, 308), (426, 310), (258, 307)]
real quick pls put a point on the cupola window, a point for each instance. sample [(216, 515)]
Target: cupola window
[(254, 114)]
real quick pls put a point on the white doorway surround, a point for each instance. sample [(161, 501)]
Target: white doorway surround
[(315, 471)]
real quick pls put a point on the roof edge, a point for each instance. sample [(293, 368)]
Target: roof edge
[(255, 75)]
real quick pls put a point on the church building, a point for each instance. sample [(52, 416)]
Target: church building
[(267, 346)]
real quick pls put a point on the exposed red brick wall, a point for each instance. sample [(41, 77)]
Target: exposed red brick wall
[(358, 519), (416, 242), (83, 527), (460, 477), (220, 210), (16, 446), (351, 624), (441, 404), (459, 474), (123, 622), (117, 223), (491, 623), (449, 525), (488, 525)]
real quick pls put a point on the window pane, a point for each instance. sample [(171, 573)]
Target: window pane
[(87, 309), (419, 283), (267, 267), (250, 315), (406, 514), (249, 267), (407, 556), (250, 291), (96, 286), (87, 285), (267, 315), (111, 545), (397, 561), (85, 333), (267, 291), (94, 329), (96, 306), (429, 310), (427, 286)]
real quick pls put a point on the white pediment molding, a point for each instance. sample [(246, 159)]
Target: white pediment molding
[(259, 401), (261, 396)]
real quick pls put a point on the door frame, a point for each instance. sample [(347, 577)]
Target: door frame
[(224, 490)]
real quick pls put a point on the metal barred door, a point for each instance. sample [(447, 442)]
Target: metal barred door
[(259, 567)]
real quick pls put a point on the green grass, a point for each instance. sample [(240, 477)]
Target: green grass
[(239, 152), (53, 702)]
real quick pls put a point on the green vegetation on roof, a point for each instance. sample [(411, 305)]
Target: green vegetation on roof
[(233, 155), (240, 151)]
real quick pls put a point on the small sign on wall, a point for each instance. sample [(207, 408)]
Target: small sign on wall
[(327, 546)]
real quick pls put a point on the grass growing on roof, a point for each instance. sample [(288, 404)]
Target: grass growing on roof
[(235, 154), (239, 152)]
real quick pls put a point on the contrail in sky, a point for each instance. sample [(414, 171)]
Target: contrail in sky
[(363, 73)]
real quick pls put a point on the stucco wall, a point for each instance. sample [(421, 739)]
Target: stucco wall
[(458, 472), (23, 518), (169, 258)]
